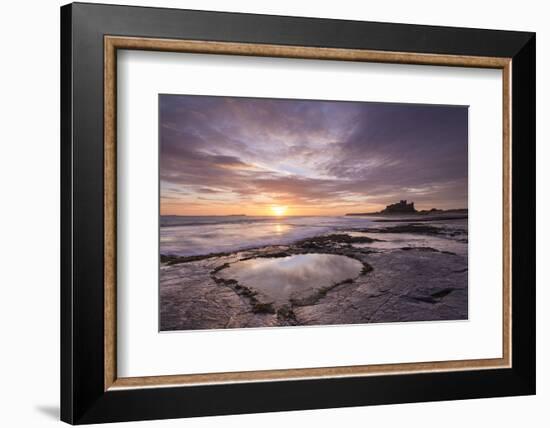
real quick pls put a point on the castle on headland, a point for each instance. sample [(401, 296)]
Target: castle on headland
[(399, 208), (402, 207)]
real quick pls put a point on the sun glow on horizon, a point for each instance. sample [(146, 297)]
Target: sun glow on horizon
[(278, 210)]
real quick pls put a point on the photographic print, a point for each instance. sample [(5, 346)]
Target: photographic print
[(289, 212)]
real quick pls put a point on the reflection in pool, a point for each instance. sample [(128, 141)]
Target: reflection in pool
[(281, 279)]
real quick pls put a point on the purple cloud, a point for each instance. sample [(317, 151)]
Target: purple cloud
[(230, 151)]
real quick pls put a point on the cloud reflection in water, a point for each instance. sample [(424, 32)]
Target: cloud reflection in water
[(280, 279)]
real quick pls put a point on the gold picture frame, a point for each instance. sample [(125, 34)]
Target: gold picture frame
[(114, 43)]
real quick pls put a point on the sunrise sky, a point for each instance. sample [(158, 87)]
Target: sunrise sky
[(227, 155)]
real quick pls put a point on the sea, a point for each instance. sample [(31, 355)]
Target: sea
[(200, 235)]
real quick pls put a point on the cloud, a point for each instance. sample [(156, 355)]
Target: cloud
[(332, 154)]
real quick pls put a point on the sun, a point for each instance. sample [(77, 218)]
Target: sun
[(278, 210)]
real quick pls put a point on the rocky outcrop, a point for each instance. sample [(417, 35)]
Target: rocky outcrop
[(398, 283)]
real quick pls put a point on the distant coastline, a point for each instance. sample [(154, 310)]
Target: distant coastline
[(403, 208)]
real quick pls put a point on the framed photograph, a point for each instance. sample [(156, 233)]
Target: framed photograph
[(265, 213)]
